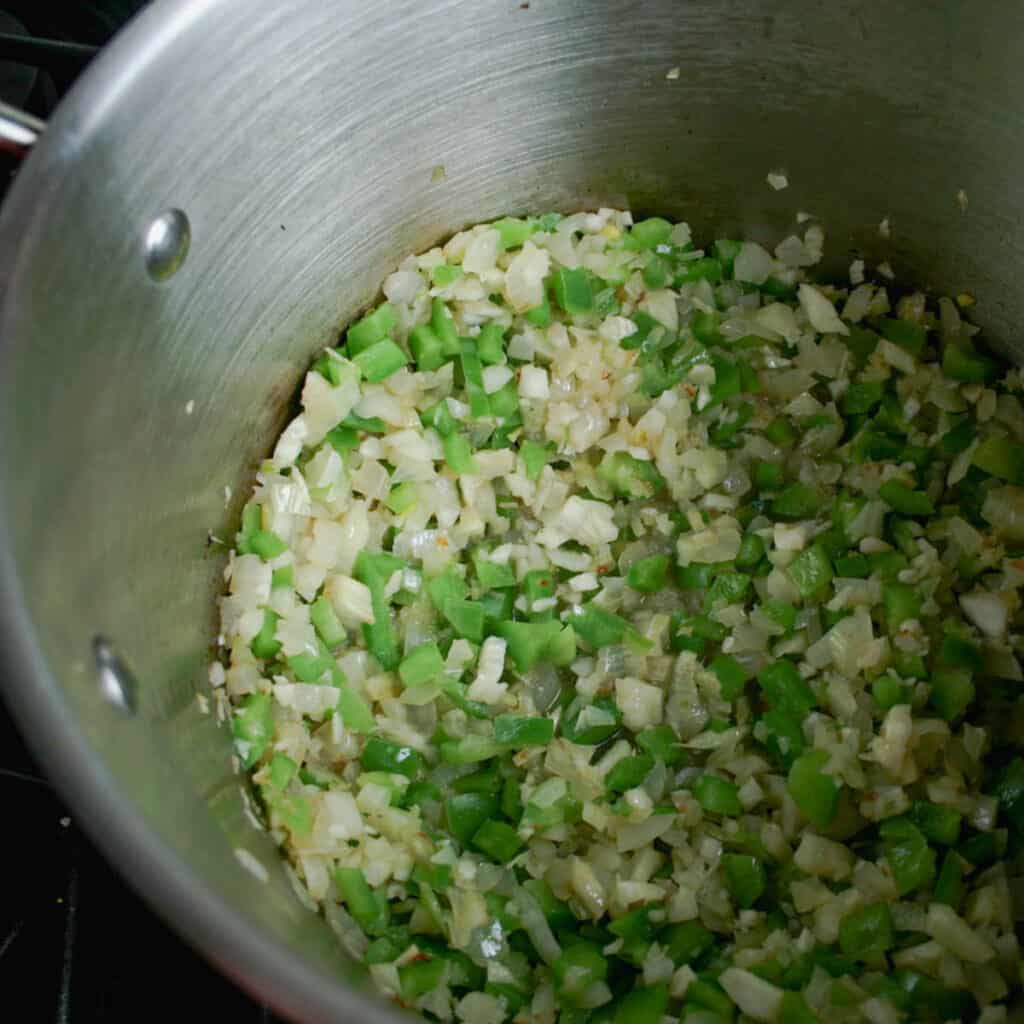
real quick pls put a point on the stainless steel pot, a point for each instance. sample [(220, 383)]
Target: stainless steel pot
[(307, 144)]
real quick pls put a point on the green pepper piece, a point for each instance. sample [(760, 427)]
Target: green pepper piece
[(910, 858), (786, 690), (961, 361), (596, 627), (492, 575), (706, 269), (467, 812), (1000, 457), (866, 932), (905, 500), (439, 417), (523, 730), (421, 665), (781, 432), (642, 1005), (952, 692), (662, 743), (360, 899), (535, 457), (265, 644), (717, 796), (498, 840), (380, 360), (938, 824), (420, 977), (793, 1009), (458, 453), (905, 333), (732, 676), (782, 737), (949, 886), (427, 349), (573, 290), (252, 726), (373, 327), (532, 642), (628, 773), (326, 622), (745, 878), (381, 756), (540, 316), (647, 234), (686, 942), (513, 231), (797, 501), (862, 397), (267, 545), (1010, 791), (782, 612), (580, 966), (726, 589), (811, 570), (381, 637), (629, 477), (444, 327), (815, 792), (592, 734), (649, 575), (490, 344)]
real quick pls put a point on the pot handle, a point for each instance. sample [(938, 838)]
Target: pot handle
[(19, 131)]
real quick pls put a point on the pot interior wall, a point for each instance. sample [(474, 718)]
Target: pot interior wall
[(311, 144)]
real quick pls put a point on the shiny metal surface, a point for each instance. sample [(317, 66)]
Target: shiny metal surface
[(116, 681), (19, 131), (166, 243), (301, 137)]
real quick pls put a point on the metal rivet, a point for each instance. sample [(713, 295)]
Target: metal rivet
[(116, 681), (166, 244)]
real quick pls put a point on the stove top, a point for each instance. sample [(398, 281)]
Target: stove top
[(76, 944)]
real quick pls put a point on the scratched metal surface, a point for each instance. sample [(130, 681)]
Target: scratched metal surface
[(301, 138)]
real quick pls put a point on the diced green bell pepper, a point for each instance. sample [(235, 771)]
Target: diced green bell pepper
[(465, 813), (717, 796), (497, 840), (786, 690), (573, 290), (381, 756), (421, 665), (905, 333), (814, 791), (380, 360), (910, 858), (373, 327), (326, 622), (252, 726), (811, 570), (649, 575), (662, 743), (905, 500), (745, 878), (866, 932), (523, 730)]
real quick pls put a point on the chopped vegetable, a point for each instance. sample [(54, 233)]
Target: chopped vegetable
[(629, 631)]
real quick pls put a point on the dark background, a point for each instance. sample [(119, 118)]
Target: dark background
[(76, 944)]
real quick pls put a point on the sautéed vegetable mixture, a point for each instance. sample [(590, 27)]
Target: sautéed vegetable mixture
[(628, 631)]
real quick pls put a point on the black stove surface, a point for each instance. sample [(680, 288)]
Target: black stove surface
[(76, 944)]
